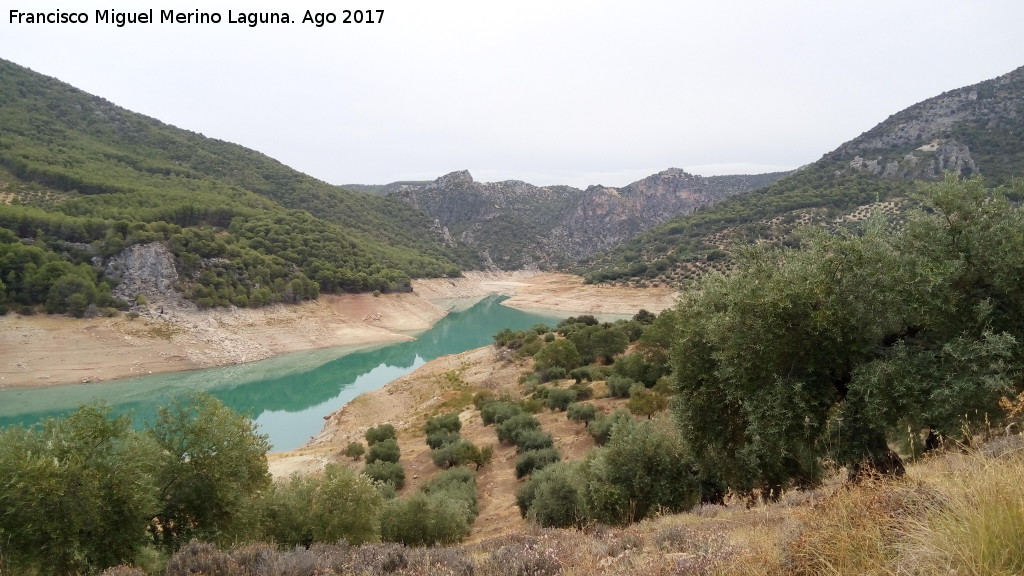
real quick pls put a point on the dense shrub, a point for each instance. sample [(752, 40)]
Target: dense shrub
[(553, 373), (619, 386), (553, 497), (644, 402), (379, 433), (384, 450), (601, 428), (340, 504), (440, 513), (598, 343), (583, 373), (386, 472), (84, 492), (457, 484), (581, 412), (445, 423), (439, 438), (213, 463), (508, 431), (424, 520), (527, 439), (531, 405), (455, 454), (355, 450), (560, 398), (75, 492), (558, 354), (499, 411), (634, 366), (533, 460), (876, 332), (645, 467), (583, 391)]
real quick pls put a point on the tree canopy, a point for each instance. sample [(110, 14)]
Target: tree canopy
[(832, 350)]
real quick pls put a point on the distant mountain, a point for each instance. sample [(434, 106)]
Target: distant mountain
[(384, 189), (977, 129), (514, 224)]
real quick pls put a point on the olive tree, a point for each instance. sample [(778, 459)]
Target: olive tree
[(828, 351), (561, 353), (75, 493), (645, 467), (340, 504), (212, 461)]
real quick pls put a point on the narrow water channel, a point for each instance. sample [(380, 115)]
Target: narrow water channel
[(289, 395)]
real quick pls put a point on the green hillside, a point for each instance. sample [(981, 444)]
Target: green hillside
[(82, 178), (971, 130)]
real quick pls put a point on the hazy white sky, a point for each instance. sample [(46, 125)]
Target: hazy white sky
[(573, 92)]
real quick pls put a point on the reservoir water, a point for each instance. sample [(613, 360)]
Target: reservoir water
[(288, 395)]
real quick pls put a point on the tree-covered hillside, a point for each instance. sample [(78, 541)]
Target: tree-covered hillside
[(971, 130), (81, 178)]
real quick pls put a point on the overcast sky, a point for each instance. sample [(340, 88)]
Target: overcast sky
[(557, 92)]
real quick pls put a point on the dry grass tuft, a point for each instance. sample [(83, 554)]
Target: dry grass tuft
[(974, 525)]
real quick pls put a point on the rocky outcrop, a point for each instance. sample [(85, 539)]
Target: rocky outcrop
[(975, 129), (518, 225), (146, 269)]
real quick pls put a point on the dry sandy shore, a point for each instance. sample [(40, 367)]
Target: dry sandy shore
[(50, 350)]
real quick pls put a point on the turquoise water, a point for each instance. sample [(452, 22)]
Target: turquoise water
[(289, 395)]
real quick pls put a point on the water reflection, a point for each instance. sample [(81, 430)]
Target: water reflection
[(288, 395)]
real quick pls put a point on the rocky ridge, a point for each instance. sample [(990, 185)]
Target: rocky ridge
[(974, 129), (518, 225)]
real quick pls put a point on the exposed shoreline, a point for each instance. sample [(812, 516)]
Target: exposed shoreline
[(46, 350)]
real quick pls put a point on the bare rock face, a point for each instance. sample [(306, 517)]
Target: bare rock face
[(518, 225), (146, 269), (970, 130)]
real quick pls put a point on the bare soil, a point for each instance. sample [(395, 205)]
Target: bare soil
[(549, 291), (46, 350), (443, 385)]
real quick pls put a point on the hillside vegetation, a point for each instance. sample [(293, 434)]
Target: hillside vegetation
[(838, 362), (81, 179), (970, 130), (514, 224)]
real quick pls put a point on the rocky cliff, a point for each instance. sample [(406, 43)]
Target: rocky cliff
[(147, 270), (519, 225), (975, 129)]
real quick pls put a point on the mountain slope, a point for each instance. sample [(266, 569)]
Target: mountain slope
[(975, 129), (75, 169), (515, 224)]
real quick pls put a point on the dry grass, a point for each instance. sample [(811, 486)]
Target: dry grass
[(975, 523), (951, 514)]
